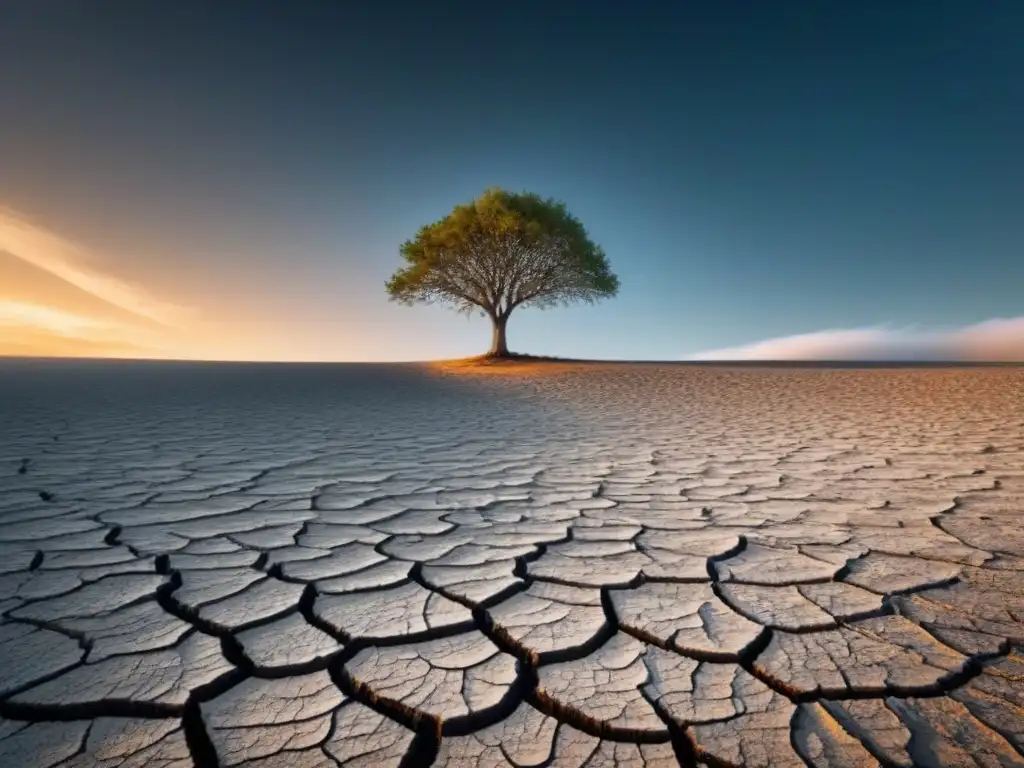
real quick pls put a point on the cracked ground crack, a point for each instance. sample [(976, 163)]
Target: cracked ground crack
[(663, 587)]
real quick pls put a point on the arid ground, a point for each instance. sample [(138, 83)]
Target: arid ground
[(565, 565)]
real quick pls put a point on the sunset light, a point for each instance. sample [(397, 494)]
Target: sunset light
[(590, 384)]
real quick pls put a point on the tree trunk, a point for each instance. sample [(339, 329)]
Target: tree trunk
[(499, 346)]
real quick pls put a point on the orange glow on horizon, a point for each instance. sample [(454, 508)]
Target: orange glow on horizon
[(57, 299)]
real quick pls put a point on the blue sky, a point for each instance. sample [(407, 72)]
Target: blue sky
[(753, 170)]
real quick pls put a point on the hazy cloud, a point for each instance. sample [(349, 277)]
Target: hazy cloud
[(75, 264), (997, 340), (50, 319)]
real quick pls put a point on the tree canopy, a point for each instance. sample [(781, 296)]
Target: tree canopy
[(502, 251)]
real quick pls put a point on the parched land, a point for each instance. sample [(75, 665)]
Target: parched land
[(564, 565)]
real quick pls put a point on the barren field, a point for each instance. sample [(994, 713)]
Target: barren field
[(599, 565)]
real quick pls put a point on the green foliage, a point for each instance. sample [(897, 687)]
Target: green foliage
[(502, 251)]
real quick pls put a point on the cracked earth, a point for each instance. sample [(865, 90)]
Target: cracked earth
[(633, 565)]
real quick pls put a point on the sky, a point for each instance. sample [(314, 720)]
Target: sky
[(233, 179)]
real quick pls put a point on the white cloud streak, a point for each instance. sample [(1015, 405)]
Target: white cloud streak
[(68, 324), (996, 340), (71, 263)]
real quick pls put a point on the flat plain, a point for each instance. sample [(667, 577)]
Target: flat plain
[(566, 565)]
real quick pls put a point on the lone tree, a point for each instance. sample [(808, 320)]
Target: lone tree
[(499, 252)]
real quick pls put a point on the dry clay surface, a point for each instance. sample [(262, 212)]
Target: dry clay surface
[(623, 565)]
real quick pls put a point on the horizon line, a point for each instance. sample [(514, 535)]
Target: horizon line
[(742, 363)]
